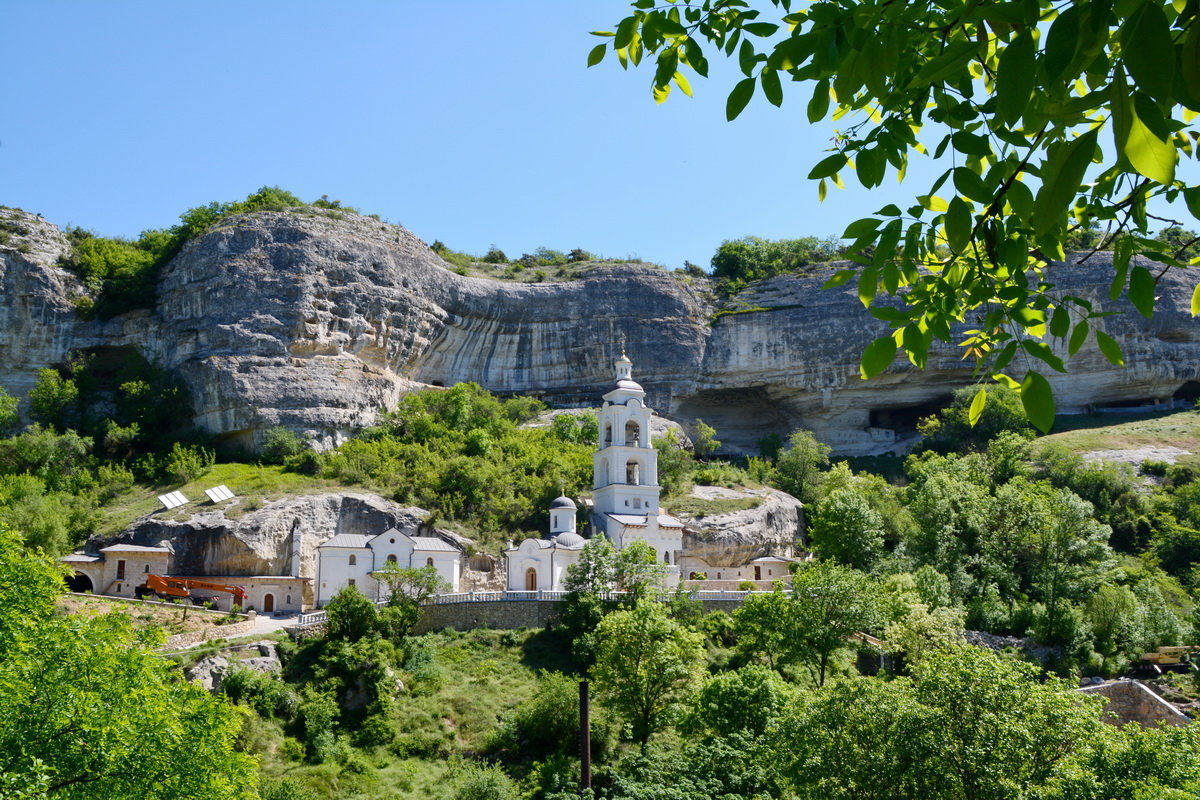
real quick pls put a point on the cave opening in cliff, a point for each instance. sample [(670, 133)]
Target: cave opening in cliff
[(741, 417), (1189, 392), (904, 419)]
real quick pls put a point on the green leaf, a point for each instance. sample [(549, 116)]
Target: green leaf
[(970, 185), (597, 54), (958, 224), (771, 87), (976, 409), (682, 82), (1060, 322), (1148, 50), (1150, 155), (861, 227), (1038, 399), (1121, 254), (877, 356), (1196, 300), (840, 278), (1078, 337), (1014, 78), (818, 106), (738, 98), (868, 284), (828, 166), (1042, 352), (1110, 348), (1141, 291), (1063, 172)]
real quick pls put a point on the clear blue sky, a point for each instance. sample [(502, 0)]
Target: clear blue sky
[(474, 122)]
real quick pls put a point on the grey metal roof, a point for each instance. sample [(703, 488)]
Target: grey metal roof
[(351, 540), (132, 548), (634, 520), (427, 543), (79, 558), (667, 521)]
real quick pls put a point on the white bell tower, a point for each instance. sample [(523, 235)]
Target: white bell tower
[(625, 467)]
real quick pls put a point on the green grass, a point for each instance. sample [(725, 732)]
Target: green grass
[(697, 507), (1086, 433), (254, 486), (444, 716)]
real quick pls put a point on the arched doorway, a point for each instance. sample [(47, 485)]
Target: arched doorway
[(268, 603), (79, 583), (531, 580)]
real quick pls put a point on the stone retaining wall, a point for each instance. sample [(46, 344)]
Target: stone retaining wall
[(512, 614), (182, 640), (1132, 701)]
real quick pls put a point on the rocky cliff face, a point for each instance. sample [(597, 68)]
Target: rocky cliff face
[(774, 527), (316, 322)]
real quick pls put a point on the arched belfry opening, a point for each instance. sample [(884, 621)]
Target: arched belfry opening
[(633, 434), (607, 435), (633, 473)]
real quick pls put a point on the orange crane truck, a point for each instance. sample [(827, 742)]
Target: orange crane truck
[(182, 587)]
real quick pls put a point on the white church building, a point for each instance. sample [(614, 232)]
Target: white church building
[(625, 495), (351, 559)]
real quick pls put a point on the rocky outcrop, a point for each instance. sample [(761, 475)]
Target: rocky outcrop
[(316, 319), (774, 526), (1131, 701), (281, 538)]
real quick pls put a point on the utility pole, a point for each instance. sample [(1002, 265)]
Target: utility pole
[(585, 741)]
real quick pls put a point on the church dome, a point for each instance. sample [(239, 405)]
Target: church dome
[(571, 540), (563, 501)]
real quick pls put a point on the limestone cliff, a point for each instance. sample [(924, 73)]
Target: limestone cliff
[(316, 322)]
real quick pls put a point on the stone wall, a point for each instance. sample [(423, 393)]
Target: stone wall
[(512, 614), (182, 640), (1132, 701)]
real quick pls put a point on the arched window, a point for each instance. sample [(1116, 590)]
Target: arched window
[(607, 434), (666, 556), (633, 434), (633, 473), (391, 559), (353, 560), (429, 561)]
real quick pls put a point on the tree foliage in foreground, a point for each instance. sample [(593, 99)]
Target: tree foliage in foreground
[(1058, 117), (87, 710)]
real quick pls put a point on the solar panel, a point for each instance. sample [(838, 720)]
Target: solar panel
[(219, 494), (172, 499)]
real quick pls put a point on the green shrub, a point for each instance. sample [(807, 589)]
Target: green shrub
[(186, 463), (280, 445)]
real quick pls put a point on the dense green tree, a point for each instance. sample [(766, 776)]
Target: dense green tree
[(964, 425), (675, 463), (54, 400), (8, 413), (1017, 95), (408, 588), (88, 710), (799, 465), (645, 664), (351, 615), (968, 726), (740, 261), (762, 627), (748, 700), (846, 529), (829, 603)]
